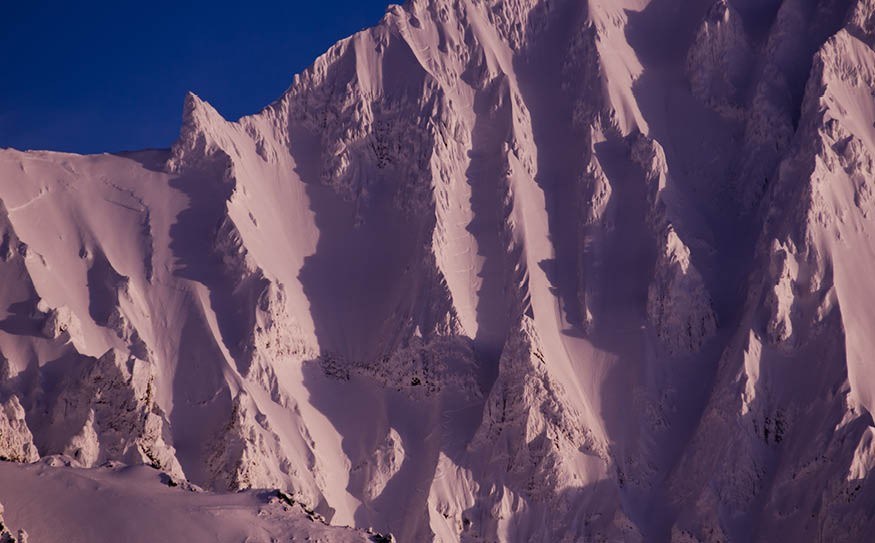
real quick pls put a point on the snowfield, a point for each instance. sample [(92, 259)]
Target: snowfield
[(116, 503), (491, 270)]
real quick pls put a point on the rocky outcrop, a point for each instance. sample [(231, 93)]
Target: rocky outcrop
[(678, 304), (16, 441), (60, 321), (720, 60), (784, 269), (6, 533), (110, 407), (529, 428), (247, 453)]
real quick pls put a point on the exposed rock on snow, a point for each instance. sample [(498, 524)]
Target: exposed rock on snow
[(529, 429), (384, 463), (248, 454), (678, 304), (16, 441), (277, 338), (784, 270), (720, 60), (113, 402), (861, 20), (650, 156), (5, 533), (423, 368), (60, 321)]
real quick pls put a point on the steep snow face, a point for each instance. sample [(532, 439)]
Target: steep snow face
[(491, 270)]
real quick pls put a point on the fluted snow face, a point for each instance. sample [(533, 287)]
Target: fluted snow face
[(490, 270)]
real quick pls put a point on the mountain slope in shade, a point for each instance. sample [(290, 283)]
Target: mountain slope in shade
[(511, 270)]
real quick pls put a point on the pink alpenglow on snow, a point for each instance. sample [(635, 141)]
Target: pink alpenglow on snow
[(491, 270)]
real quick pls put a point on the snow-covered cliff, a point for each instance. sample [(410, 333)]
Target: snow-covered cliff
[(515, 270)]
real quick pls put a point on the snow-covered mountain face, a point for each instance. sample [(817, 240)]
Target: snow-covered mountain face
[(492, 270)]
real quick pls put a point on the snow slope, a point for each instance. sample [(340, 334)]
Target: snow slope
[(515, 270), (61, 503)]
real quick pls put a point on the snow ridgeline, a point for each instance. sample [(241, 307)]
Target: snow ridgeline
[(491, 270)]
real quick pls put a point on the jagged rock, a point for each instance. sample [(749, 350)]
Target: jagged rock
[(128, 334), (423, 368), (528, 426), (247, 453), (114, 399), (276, 339), (16, 441), (678, 304), (5, 532), (861, 20), (784, 270), (650, 156), (84, 446), (719, 60), (60, 321)]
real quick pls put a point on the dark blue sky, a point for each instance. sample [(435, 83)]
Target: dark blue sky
[(96, 76)]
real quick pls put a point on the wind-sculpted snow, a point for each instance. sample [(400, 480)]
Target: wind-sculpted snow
[(491, 270)]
